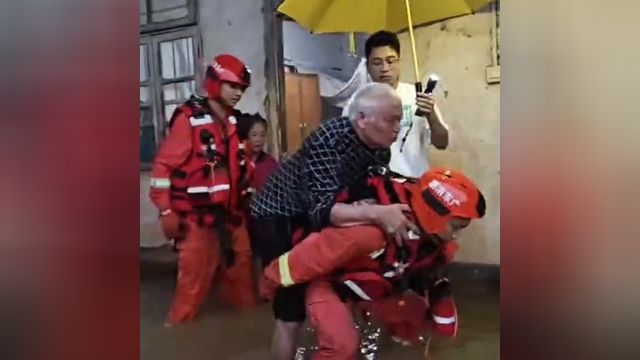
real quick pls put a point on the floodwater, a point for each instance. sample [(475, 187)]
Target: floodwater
[(221, 334)]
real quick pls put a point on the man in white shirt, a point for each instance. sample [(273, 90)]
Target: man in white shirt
[(409, 151)]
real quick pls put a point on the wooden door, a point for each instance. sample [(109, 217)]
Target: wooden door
[(303, 108)]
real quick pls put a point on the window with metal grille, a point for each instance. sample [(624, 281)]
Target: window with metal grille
[(169, 71)]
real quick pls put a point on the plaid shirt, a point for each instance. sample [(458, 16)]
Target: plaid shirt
[(331, 159)]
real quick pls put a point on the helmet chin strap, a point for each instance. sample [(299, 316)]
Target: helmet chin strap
[(218, 107)]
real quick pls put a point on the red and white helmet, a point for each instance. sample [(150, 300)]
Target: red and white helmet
[(225, 68), (441, 194)]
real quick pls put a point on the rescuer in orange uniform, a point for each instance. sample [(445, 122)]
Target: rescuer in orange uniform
[(361, 264), (199, 181)]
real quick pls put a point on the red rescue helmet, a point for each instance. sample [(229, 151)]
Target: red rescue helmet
[(225, 68), (441, 194)]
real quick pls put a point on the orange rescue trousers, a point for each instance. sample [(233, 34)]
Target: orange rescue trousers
[(333, 322), (198, 259)]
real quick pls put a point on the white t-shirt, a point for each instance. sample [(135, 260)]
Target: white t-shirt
[(412, 161)]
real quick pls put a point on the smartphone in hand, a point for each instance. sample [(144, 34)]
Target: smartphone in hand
[(431, 86)]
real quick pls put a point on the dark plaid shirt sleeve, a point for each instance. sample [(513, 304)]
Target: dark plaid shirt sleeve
[(323, 183)]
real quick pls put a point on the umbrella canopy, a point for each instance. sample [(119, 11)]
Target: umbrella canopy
[(323, 16), (327, 16)]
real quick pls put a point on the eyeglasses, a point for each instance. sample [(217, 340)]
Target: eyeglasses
[(390, 60)]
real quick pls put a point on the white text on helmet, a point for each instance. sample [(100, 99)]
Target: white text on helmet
[(443, 193), (216, 67)]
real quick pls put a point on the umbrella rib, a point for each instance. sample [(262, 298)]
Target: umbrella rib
[(320, 18)]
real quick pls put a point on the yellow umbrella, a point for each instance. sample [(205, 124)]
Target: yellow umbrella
[(327, 16)]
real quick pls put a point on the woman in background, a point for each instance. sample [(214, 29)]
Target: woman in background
[(255, 131), (265, 163)]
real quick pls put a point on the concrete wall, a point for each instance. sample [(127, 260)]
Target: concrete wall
[(459, 50), (235, 27)]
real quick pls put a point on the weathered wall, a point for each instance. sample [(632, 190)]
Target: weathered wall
[(235, 27), (459, 50)]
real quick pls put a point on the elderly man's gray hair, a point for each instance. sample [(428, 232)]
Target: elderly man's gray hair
[(368, 96)]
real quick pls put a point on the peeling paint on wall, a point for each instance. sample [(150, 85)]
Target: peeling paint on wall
[(459, 50)]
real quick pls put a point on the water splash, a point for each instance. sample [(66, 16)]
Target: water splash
[(370, 341)]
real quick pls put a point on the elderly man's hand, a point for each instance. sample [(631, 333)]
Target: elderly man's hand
[(392, 219), (425, 103)]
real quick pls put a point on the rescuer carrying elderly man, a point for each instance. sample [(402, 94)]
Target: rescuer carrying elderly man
[(401, 283)]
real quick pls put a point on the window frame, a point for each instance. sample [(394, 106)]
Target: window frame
[(190, 19), (156, 82)]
